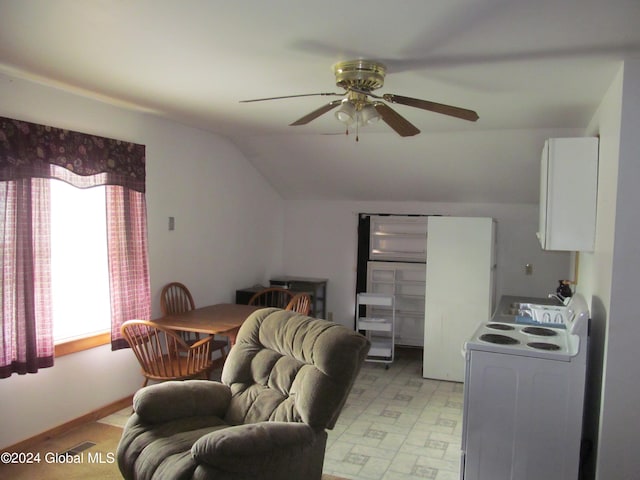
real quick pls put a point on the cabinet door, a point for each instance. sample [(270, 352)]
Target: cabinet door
[(568, 193)]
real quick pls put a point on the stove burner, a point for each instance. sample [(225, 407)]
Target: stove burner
[(543, 346), (500, 339), (500, 326), (541, 331)]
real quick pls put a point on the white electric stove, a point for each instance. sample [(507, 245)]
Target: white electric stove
[(524, 395)]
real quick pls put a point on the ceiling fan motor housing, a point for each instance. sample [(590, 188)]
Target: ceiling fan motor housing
[(364, 75)]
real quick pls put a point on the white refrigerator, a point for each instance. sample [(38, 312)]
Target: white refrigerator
[(459, 290)]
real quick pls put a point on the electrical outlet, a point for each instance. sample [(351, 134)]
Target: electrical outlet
[(528, 269), (172, 223)]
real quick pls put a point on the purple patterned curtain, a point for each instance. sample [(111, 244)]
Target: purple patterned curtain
[(29, 155), (26, 338), (128, 264)]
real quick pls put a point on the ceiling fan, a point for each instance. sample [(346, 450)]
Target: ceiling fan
[(360, 106)]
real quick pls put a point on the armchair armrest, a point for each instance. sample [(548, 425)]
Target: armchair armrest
[(172, 400), (252, 448)]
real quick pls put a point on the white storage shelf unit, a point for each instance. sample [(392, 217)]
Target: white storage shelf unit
[(406, 282), (378, 325)]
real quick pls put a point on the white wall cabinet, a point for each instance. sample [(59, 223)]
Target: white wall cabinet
[(459, 290), (568, 191)]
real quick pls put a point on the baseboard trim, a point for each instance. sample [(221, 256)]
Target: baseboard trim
[(70, 425)]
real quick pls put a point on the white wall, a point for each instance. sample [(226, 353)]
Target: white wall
[(614, 278), (609, 277), (229, 225), (228, 222), (321, 241), (596, 268), (77, 384), (620, 412)]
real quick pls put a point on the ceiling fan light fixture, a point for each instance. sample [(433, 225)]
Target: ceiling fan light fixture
[(368, 115), (347, 112)]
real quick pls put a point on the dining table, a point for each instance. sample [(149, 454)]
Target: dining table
[(220, 319)]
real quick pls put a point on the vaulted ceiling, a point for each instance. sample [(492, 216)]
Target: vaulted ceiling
[(531, 69)]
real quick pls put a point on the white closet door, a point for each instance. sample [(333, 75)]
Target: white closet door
[(458, 295)]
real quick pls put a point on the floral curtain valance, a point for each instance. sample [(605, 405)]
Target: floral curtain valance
[(30, 150)]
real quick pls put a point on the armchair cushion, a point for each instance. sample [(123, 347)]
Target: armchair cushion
[(175, 399), (252, 448)]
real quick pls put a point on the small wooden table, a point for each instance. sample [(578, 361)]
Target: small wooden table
[(221, 319)]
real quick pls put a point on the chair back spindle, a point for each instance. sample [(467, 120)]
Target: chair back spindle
[(300, 303)]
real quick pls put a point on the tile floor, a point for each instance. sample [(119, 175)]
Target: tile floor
[(395, 425)]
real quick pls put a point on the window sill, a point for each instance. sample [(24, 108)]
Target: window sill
[(81, 344)]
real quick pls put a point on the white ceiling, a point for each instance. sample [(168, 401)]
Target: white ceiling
[(531, 69)]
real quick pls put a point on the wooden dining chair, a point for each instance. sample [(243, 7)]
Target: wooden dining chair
[(164, 355), (175, 298), (300, 303), (272, 297)]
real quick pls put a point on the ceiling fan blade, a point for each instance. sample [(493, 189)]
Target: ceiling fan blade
[(450, 110), (292, 96), (401, 125), (316, 113)]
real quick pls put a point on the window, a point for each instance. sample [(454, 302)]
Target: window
[(79, 262), (31, 156)]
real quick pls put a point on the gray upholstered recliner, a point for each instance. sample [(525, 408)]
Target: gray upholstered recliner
[(283, 384)]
